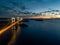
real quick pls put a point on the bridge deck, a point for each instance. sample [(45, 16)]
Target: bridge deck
[(8, 27)]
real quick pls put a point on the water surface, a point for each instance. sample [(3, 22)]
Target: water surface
[(45, 32)]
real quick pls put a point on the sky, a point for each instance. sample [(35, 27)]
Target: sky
[(37, 6), (42, 5)]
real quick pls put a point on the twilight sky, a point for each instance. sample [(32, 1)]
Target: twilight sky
[(14, 6), (42, 5)]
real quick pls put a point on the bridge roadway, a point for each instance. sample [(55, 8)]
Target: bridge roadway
[(8, 27)]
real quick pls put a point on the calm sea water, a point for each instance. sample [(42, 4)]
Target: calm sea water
[(45, 32)]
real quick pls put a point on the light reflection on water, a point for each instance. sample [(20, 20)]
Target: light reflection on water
[(45, 32), (15, 33)]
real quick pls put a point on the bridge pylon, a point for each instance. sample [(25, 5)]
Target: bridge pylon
[(13, 19)]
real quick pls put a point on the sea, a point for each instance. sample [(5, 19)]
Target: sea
[(43, 32)]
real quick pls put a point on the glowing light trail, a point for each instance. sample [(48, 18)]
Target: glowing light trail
[(10, 26)]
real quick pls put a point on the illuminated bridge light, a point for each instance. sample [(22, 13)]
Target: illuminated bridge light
[(8, 27)]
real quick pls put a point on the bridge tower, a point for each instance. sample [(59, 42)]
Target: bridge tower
[(18, 19), (13, 19)]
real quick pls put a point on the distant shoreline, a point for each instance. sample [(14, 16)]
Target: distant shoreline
[(34, 17)]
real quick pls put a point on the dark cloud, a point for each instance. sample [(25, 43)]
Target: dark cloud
[(13, 7)]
